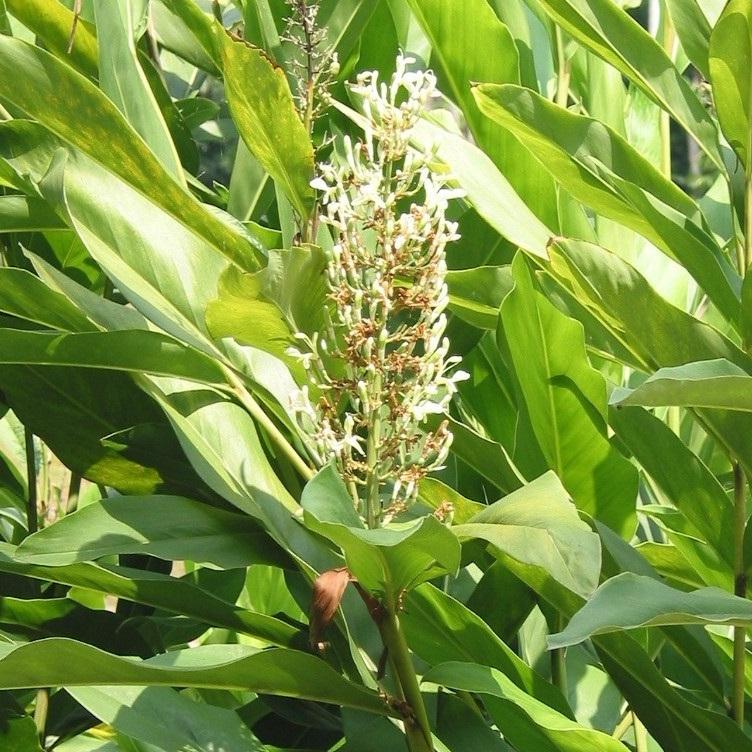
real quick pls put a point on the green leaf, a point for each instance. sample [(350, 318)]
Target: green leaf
[(388, 560), (460, 36), (121, 78), (176, 595), (693, 29), (656, 332), (79, 113), (476, 294), (609, 32), (18, 732), (163, 268), (630, 601), (73, 409), (277, 671), (264, 111), (134, 350), (170, 527), (222, 444), (51, 21), (730, 61), (487, 189), (526, 722), (717, 384), (441, 629), (27, 214), (566, 401), (243, 312), (24, 295), (695, 491), (600, 168), (167, 719), (538, 524)]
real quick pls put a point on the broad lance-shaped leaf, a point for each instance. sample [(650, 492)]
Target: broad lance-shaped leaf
[(168, 719), (135, 350), (566, 401), (602, 170), (277, 671), (441, 629), (386, 560), (25, 295), (487, 189), (170, 527), (538, 524), (243, 312), (630, 601), (163, 268), (176, 595), (461, 35), (79, 113), (121, 78), (695, 491), (717, 384), (656, 332), (609, 32), (526, 722), (51, 21), (27, 214), (264, 111), (731, 74), (693, 29)]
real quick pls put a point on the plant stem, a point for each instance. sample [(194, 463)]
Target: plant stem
[(417, 728), (32, 520), (667, 43), (740, 589), (640, 734), (74, 489), (40, 714), (558, 663), (564, 70), (253, 407)]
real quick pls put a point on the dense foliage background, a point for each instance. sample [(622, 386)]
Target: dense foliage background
[(574, 578)]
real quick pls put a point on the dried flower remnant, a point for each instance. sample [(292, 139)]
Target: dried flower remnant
[(382, 365), (314, 66)]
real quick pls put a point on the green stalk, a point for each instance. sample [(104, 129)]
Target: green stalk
[(740, 589), (74, 491), (667, 42), (558, 662), (564, 70), (40, 714), (740, 478), (31, 481), (640, 734), (253, 407), (417, 728)]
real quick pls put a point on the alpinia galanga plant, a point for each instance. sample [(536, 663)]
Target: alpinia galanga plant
[(326, 407)]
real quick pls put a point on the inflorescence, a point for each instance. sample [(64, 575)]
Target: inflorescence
[(382, 367), (314, 65)]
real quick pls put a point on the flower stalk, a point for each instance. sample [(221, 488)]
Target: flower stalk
[(381, 365)]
